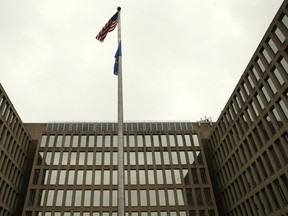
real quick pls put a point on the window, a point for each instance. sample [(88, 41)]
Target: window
[(255, 108), (162, 199), (283, 108), (99, 140), (88, 178), (106, 177), (91, 140), (71, 177), (268, 162), (275, 157), (73, 156), (107, 158), (165, 158), (142, 177), (250, 115), (133, 198), (266, 55), (270, 124), (277, 117), (149, 158), (194, 176), (260, 65), (164, 140), (98, 158), (59, 198), (159, 174), (271, 85), (282, 151), (79, 180), (51, 141), (187, 140), (267, 96), (107, 141), (147, 141), (156, 140), (139, 140), (50, 197), (81, 158), (151, 177), (208, 196), (195, 140), (171, 197), (278, 76), (96, 198), (180, 197), (182, 157), (131, 141), (75, 141), (53, 177), (68, 199), (83, 141), (78, 197), (62, 177), (179, 140), (273, 46), (65, 158), (191, 157), (255, 73), (198, 196), (274, 198), (279, 35), (43, 141), (67, 141), (285, 21), (284, 65), (171, 140), (250, 81), (152, 196)]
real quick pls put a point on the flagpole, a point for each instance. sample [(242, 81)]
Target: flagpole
[(121, 190)]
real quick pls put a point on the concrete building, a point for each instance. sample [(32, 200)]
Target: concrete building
[(16, 156), (235, 166), (249, 143), (75, 171)]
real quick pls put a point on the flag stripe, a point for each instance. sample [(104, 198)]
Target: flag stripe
[(109, 26)]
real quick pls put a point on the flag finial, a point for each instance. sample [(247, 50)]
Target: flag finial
[(119, 8)]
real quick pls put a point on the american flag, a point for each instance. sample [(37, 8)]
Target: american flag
[(110, 26)]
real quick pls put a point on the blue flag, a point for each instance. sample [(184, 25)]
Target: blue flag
[(118, 53)]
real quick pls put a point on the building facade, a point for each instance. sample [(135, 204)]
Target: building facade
[(236, 166), (16, 155), (75, 171), (249, 143)]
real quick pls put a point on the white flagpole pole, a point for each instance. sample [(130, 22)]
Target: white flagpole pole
[(121, 190)]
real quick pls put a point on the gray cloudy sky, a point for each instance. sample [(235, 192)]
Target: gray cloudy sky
[(181, 59)]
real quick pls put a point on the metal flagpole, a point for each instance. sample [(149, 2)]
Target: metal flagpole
[(121, 191)]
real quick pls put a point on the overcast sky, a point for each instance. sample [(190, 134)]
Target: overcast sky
[(181, 59)]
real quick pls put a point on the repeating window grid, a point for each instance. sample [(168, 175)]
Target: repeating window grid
[(170, 159), (252, 176), (10, 143)]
